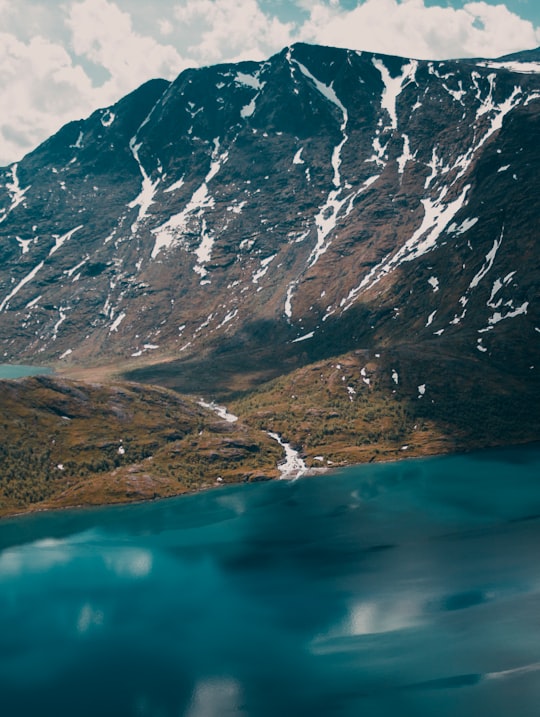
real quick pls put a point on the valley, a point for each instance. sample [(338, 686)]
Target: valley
[(340, 247)]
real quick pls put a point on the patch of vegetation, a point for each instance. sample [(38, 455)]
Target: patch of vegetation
[(72, 443), (340, 410), (350, 409)]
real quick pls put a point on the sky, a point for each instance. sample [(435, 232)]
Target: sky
[(62, 59)]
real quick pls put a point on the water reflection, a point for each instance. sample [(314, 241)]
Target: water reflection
[(410, 589)]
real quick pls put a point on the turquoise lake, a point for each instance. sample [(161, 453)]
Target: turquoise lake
[(400, 590), (18, 371)]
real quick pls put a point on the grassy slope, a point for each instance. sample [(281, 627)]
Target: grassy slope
[(73, 443), (329, 409), (119, 441)]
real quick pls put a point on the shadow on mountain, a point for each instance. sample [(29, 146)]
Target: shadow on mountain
[(261, 351)]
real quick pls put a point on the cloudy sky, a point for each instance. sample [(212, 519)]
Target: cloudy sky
[(61, 59)]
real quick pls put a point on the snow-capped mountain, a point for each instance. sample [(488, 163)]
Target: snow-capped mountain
[(322, 201)]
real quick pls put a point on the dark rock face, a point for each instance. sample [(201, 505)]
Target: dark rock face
[(289, 210)]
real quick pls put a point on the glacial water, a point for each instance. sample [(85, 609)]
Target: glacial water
[(409, 589), (18, 371)]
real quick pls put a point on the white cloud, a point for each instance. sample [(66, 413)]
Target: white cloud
[(165, 27), (102, 33), (60, 61), (232, 30), (44, 84), (40, 89), (410, 28)]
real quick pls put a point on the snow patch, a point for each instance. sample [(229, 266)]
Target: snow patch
[(61, 240), (434, 283), (463, 227), (497, 316), (116, 323), (145, 197), (430, 318), (248, 110), (15, 191), (436, 217), (20, 285), (514, 66), (288, 299), (265, 265), (253, 81), (24, 244), (393, 87), (107, 118), (305, 337), (297, 159), (406, 155), (176, 185), (171, 231), (488, 263)]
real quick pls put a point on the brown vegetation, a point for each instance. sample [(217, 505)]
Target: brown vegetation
[(72, 443)]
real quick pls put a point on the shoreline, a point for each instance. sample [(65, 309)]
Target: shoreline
[(309, 473)]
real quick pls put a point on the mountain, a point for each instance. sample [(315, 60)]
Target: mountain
[(252, 220)]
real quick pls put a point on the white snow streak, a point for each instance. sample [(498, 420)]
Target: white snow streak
[(146, 196), (488, 263), (522, 67), (406, 155), (175, 186), (497, 316), (176, 226), (329, 93), (288, 299), (463, 227), (20, 285), (393, 87), (15, 191), (59, 240), (298, 157), (265, 265), (63, 317), (430, 318), (78, 143), (116, 323), (203, 251), (434, 283), (305, 337), (436, 218)]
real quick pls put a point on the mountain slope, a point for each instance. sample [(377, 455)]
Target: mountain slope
[(66, 443), (245, 220)]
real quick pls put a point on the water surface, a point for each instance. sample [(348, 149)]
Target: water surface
[(18, 370), (408, 589)]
